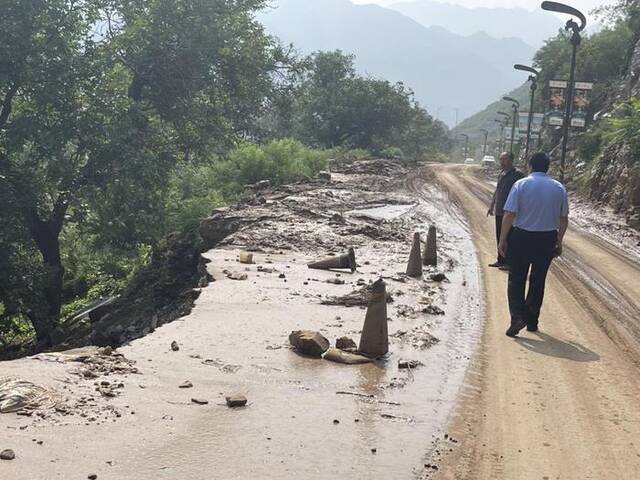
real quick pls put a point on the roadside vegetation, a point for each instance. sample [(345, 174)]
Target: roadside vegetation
[(121, 122)]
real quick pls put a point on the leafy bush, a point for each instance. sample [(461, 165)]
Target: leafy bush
[(626, 128), (279, 161)]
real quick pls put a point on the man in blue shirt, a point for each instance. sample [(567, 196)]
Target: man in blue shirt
[(538, 210)]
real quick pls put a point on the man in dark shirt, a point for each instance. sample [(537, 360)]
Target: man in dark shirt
[(507, 178)]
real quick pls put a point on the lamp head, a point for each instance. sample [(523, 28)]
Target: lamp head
[(562, 8)]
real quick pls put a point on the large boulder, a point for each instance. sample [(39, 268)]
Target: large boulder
[(309, 343)]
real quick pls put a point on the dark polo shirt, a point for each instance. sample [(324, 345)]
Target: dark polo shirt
[(505, 182)]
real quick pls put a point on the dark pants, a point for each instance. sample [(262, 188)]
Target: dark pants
[(528, 251), (501, 259)]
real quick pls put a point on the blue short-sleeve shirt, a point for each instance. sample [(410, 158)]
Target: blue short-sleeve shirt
[(538, 202)]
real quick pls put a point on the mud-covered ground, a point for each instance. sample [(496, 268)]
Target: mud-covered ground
[(149, 411)]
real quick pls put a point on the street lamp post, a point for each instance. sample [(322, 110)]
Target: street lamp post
[(576, 39), (534, 85), (486, 136), (507, 120), (516, 106), (466, 144)]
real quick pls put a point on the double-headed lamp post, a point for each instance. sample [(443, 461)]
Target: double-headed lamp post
[(533, 78), (516, 106), (576, 39), (486, 136), (466, 143)]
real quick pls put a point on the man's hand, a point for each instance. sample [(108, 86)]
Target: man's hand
[(502, 248), (558, 250), (490, 212)]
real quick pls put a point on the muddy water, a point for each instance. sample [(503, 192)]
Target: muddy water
[(291, 425), (299, 420)]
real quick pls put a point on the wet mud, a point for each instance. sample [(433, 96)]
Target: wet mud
[(305, 416)]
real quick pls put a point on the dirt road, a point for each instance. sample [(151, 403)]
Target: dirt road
[(563, 403)]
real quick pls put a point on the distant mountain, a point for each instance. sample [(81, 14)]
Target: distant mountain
[(445, 70), (533, 27)]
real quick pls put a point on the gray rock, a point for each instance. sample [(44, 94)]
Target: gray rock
[(199, 401), (346, 344), (7, 454), (309, 343), (235, 401), (186, 384), (174, 346), (339, 356)]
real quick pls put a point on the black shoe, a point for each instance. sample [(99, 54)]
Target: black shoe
[(532, 327), (515, 328), (497, 264)]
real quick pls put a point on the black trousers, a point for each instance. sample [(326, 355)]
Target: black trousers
[(529, 254), (501, 259)]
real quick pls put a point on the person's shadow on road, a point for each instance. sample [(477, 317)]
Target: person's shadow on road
[(551, 346)]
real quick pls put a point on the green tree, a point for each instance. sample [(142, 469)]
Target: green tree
[(99, 101)]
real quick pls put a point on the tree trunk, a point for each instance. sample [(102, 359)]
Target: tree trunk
[(46, 235)]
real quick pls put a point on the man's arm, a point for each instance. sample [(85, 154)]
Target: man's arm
[(492, 207), (564, 224), (507, 223)]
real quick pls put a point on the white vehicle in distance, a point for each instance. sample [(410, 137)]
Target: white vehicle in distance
[(470, 161), (488, 161)]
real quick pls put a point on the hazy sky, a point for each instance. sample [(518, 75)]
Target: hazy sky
[(583, 5)]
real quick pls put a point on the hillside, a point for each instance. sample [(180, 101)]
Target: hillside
[(497, 22), (445, 70)]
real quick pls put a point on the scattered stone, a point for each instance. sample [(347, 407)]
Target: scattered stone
[(235, 401), (433, 310), (335, 281), (325, 176), (92, 476), (340, 356), (336, 421), (309, 343), (282, 275), (346, 344), (235, 275), (186, 384), (200, 401), (174, 346), (408, 364), (7, 454), (438, 277)]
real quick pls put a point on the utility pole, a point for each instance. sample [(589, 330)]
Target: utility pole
[(576, 39)]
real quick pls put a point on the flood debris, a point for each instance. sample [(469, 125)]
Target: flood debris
[(356, 298), (19, 395), (433, 310), (235, 275), (430, 256), (414, 265), (199, 401), (438, 277), (174, 346), (186, 384), (346, 261), (346, 344), (409, 364), (236, 401), (340, 356), (309, 343), (374, 340), (335, 281), (246, 257)]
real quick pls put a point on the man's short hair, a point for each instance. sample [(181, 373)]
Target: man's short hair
[(540, 162), (509, 155)]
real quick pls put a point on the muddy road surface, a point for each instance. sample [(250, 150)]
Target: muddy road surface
[(150, 411), (563, 403)]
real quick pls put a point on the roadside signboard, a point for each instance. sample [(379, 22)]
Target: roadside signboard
[(536, 122), (581, 101), (557, 102)]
